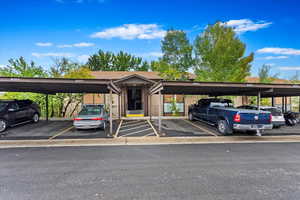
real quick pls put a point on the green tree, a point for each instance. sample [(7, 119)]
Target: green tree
[(264, 74), (167, 71), (62, 104), (177, 50), (20, 68), (122, 61), (220, 55)]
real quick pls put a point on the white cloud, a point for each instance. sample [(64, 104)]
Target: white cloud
[(83, 58), (43, 44), (290, 68), (2, 66), (51, 54), (132, 31), (279, 51), (273, 57), (244, 25), (81, 44)]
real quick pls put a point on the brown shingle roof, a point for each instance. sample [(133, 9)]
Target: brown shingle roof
[(121, 74)]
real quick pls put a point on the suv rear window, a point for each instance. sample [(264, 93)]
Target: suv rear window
[(274, 111), (24, 103), (3, 105), (91, 110)]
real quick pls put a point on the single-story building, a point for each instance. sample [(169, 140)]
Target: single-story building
[(135, 99)]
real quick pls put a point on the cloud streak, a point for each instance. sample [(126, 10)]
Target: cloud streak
[(273, 57), (290, 68), (131, 31), (52, 54), (43, 44), (81, 44), (279, 51), (245, 25)]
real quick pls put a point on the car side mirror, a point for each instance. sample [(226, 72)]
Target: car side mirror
[(11, 109)]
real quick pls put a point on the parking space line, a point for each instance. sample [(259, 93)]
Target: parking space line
[(135, 132), (201, 128), (149, 134), (117, 132), (60, 133), (153, 128), (134, 127), (132, 124)]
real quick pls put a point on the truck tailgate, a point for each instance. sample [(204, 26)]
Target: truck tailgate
[(255, 118)]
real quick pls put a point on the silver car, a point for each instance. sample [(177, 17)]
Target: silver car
[(91, 116)]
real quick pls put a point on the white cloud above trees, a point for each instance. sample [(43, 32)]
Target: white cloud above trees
[(245, 25), (131, 31)]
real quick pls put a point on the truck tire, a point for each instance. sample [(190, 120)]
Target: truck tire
[(191, 117), (224, 128)]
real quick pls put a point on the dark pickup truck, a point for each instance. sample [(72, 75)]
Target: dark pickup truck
[(221, 113)]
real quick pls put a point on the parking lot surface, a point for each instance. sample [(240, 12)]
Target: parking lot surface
[(129, 128), (208, 171), (52, 130)]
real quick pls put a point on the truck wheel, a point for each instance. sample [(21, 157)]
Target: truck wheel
[(223, 127), (191, 117)]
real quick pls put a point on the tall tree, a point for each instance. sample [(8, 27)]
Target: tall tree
[(177, 50), (264, 74), (220, 55), (122, 61), (20, 68)]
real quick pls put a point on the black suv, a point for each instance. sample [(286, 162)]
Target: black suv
[(13, 112)]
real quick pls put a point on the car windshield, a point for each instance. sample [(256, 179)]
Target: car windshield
[(274, 111), (91, 110), (3, 105), (221, 104)]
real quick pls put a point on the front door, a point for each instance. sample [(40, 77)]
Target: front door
[(135, 102)]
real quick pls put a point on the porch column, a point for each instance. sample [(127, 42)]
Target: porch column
[(159, 112), (150, 105), (273, 101), (110, 112), (282, 104), (258, 100), (119, 106), (47, 107)]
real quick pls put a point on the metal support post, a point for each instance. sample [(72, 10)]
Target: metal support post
[(159, 113), (47, 107), (258, 100), (110, 113)]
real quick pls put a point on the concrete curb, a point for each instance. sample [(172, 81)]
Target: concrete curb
[(146, 141)]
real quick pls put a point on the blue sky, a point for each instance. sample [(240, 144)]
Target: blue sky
[(41, 30)]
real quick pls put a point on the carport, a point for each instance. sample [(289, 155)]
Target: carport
[(51, 86), (215, 89)]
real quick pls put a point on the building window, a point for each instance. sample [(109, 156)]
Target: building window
[(173, 105)]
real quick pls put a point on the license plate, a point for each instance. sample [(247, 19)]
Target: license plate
[(256, 126)]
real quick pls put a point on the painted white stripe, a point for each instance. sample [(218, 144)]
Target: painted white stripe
[(124, 125), (133, 128), (136, 132)]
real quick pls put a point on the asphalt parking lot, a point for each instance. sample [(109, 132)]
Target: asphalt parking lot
[(185, 128), (52, 130), (129, 128)]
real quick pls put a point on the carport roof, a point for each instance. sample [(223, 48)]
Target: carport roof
[(62, 85), (53, 85), (226, 88)]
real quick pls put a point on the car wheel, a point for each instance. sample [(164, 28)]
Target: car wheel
[(3, 125), (35, 118), (223, 127), (191, 117)]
